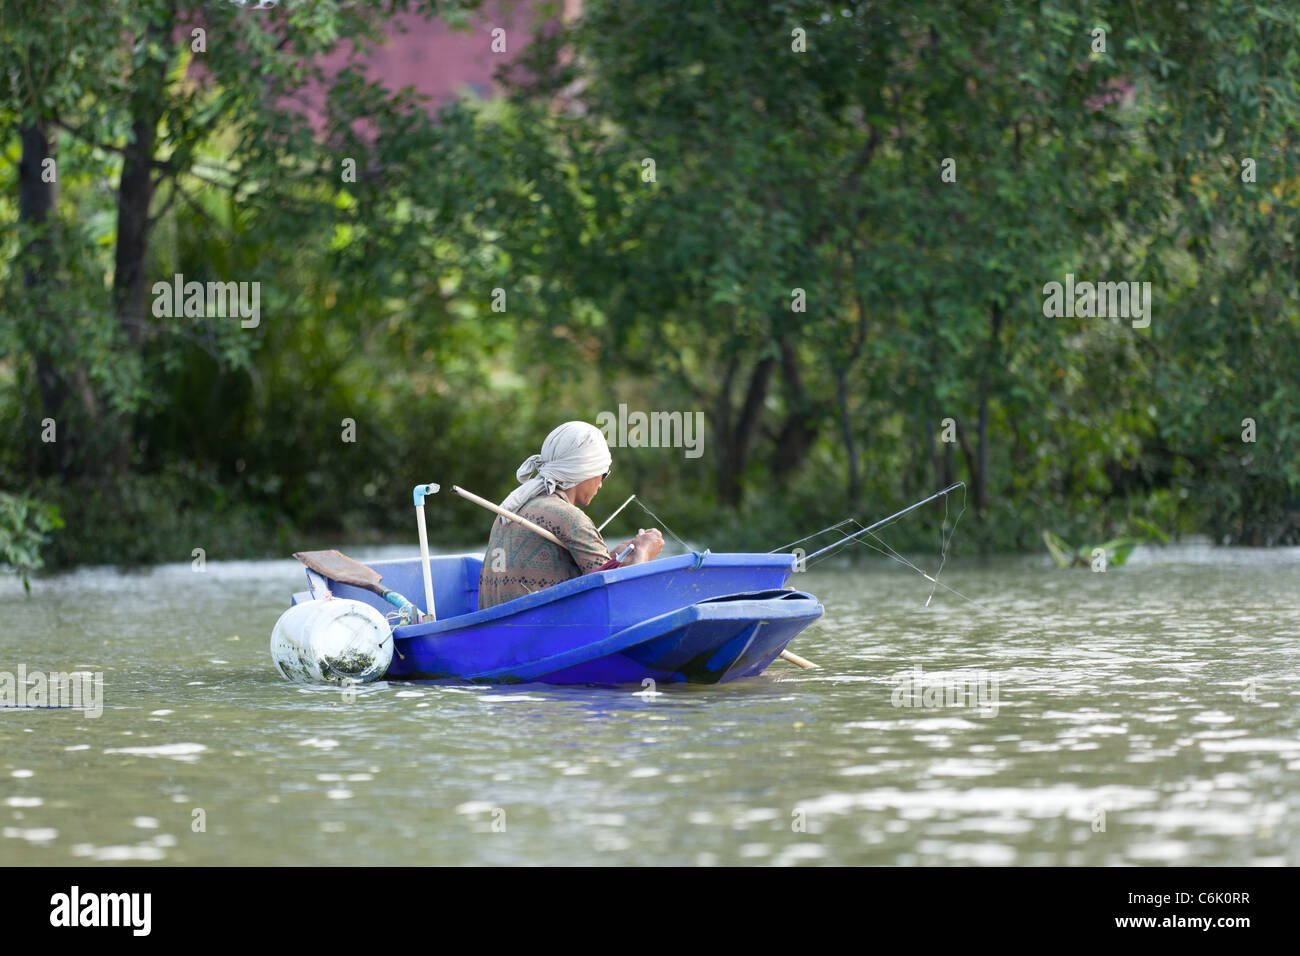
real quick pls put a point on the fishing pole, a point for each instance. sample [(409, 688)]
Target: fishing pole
[(785, 655), (857, 536), (615, 514), (889, 552), (882, 521)]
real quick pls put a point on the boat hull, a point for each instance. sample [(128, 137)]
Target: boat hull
[(698, 618)]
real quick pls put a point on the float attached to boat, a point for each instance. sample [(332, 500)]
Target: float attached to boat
[(699, 617)]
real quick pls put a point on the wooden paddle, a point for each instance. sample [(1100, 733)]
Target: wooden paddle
[(796, 659), (508, 515), (339, 567)]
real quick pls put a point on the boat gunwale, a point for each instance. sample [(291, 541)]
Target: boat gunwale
[(598, 579)]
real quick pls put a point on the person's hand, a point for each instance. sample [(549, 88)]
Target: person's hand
[(649, 542)]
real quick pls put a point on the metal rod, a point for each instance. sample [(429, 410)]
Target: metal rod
[(897, 514), (430, 613), (615, 514), (418, 493)]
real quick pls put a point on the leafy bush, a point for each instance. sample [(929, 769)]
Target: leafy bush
[(25, 526)]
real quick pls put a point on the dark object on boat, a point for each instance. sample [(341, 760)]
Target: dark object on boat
[(336, 566)]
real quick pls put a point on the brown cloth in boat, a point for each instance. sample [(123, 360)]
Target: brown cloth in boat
[(519, 561)]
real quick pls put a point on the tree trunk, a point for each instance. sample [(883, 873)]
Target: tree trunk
[(930, 423), (846, 431), (722, 425), (37, 201), (995, 350), (799, 429), (740, 437), (972, 465), (134, 196), (977, 459)]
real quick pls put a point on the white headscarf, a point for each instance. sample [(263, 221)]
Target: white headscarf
[(570, 455)]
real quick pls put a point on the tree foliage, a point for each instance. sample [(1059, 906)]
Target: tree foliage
[(830, 229)]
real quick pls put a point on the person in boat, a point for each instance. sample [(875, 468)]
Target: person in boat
[(554, 488)]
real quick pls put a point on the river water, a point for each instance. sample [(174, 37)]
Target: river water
[(1146, 715)]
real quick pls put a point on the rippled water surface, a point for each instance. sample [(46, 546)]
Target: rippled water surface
[(1147, 715)]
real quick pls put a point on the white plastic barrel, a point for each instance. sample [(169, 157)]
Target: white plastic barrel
[(330, 642)]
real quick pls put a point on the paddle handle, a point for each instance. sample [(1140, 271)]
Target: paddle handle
[(397, 601), (796, 659), (510, 515)]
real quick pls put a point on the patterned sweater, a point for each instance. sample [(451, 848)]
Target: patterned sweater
[(519, 561)]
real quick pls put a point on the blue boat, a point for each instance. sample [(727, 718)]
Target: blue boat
[(700, 617)]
